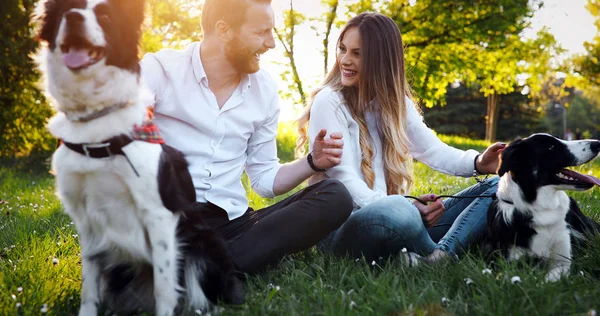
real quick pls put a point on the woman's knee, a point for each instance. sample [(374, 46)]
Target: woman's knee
[(391, 216)]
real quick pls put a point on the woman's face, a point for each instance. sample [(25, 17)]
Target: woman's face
[(348, 57)]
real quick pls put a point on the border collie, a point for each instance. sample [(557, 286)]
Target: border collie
[(532, 215), (142, 245)]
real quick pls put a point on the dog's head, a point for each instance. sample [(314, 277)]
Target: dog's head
[(84, 33), (541, 160), (89, 44)]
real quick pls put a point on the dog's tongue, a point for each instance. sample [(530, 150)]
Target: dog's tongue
[(76, 58), (581, 177)]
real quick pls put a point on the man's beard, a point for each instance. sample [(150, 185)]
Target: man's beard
[(240, 56)]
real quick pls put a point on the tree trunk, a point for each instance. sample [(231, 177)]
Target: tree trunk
[(493, 110), (329, 23), (289, 51)]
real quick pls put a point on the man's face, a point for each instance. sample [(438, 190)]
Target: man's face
[(253, 39)]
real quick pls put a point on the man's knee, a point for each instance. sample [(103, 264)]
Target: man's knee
[(338, 200)]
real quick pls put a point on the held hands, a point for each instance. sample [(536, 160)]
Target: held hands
[(487, 163), (432, 211), (327, 153)]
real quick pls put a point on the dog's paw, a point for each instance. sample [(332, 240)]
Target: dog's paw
[(88, 309), (554, 275)]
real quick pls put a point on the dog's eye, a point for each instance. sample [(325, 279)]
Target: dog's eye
[(103, 17), (102, 13)]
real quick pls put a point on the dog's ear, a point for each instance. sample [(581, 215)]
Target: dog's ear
[(48, 13), (508, 157)]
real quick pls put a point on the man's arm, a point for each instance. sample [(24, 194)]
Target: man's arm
[(326, 154)]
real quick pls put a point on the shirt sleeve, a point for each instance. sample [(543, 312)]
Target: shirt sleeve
[(327, 112), (154, 76), (426, 147), (262, 163)]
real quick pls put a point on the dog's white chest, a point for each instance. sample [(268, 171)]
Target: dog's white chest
[(107, 200)]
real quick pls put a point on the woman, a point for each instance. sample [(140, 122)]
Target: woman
[(367, 98)]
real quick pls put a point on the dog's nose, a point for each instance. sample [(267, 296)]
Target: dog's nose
[(74, 17)]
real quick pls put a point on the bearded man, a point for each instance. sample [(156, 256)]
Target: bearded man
[(214, 104)]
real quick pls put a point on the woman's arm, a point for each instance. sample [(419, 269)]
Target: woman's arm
[(426, 147), (328, 112)]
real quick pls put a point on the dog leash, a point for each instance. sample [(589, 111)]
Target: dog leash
[(491, 196)]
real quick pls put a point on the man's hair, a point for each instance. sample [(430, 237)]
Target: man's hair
[(233, 12)]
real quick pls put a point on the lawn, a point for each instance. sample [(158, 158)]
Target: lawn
[(39, 264)]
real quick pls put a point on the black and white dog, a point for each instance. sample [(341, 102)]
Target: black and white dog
[(142, 246), (533, 216)]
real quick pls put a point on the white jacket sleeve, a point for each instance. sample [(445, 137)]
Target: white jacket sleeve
[(330, 113), (427, 148)]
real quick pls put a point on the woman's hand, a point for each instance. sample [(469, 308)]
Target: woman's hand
[(327, 153), (430, 212), (487, 163)]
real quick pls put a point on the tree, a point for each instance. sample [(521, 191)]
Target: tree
[(439, 35), (516, 63), (24, 109), (587, 66), (171, 23), (285, 35), (328, 18)]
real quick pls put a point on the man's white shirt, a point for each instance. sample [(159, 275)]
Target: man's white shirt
[(217, 143)]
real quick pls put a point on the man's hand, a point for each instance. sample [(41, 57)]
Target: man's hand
[(327, 153), (430, 212), (487, 163)]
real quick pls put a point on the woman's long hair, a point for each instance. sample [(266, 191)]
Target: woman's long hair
[(383, 80)]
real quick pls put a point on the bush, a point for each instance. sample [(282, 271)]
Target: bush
[(286, 142), (23, 108)]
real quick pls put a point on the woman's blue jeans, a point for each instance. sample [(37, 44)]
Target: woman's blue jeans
[(384, 227)]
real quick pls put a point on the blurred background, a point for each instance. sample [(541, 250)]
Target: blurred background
[(488, 69)]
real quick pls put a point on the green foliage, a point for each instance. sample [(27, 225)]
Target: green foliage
[(33, 231), (292, 19), (588, 66), (286, 142), (23, 108), (443, 37), (171, 24)]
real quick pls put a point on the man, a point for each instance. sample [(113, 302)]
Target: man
[(214, 104)]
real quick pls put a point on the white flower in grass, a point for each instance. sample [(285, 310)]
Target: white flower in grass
[(54, 261), (75, 236), (44, 309), (18, 305), (486, 271), (581, 273), (468, 281), (516, 279), (357, 260), (404, 250), (19, 289), (592, 312), (353, 304), (14, 297), (12, 246), (445, 301), (373, 263)]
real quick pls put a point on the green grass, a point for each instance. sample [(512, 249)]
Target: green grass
[(33, 231)]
